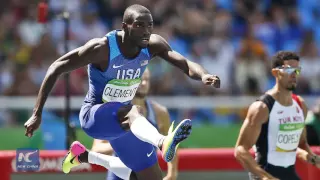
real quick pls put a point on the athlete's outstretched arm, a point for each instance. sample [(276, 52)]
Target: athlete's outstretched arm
[(82, 56), (158, 46), (257, 115), (304, 151)]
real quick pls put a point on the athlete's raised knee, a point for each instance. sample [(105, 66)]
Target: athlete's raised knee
[(127, 114)]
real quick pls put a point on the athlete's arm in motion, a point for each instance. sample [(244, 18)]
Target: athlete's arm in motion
[(257, 115), (304, 152), (163, 118), (158, 46), (91, 52)]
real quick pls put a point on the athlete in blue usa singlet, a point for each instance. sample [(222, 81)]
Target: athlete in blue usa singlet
[(116, 86), (155, 113), (115, 65), (113, 87)]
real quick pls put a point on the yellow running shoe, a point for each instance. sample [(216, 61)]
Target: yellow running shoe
[(71, 159), (175, 136)]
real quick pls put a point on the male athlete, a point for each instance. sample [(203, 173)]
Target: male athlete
[(116, 63), (275, 125), (158, 116)]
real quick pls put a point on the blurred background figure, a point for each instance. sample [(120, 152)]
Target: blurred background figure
[(313, 125)]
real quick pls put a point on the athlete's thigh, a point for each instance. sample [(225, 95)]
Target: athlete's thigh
[(102, 122), (134, 153)]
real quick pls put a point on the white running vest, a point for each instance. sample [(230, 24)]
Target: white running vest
[(282, 134)]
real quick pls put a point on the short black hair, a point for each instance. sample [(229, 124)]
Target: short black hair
[(131, 10), (281, 56)]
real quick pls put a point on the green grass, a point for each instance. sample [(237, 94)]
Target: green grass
[(202, 136), (209, 136), (13, 138)]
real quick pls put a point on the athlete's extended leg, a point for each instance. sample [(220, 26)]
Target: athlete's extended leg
[(102, 122), (130, 118), (146, 132), (79, 154)]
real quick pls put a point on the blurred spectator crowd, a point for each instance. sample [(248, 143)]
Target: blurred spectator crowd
[(230, 38)]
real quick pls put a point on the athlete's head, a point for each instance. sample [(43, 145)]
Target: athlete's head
[(286, 69), (138, 24), (145, 85)]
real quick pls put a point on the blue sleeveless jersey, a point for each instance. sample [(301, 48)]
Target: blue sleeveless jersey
[(119, 68), (109, 90)]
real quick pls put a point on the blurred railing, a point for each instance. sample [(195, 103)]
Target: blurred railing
[(179, 102)]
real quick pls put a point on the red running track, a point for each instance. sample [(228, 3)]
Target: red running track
[(189, 160)]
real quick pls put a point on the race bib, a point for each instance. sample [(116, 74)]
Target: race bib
[(120, 90), (289, 136)]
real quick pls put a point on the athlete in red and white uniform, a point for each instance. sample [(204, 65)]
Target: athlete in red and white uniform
[(275, 126)]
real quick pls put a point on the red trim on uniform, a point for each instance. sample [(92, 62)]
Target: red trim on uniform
[(297, 99)]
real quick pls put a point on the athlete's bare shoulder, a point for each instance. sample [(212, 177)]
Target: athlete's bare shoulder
[(93, 51), (157, 45), (258, 113), (98, 41), (100, 44), (156, 38)]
